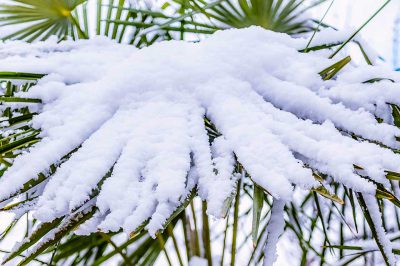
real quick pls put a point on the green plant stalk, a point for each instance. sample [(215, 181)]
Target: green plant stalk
[(20, 75), (235, 223), (112, 253), (364, 53), (85, 19), (8, 229), (321, 216), (19, 100), (359, 29), (196, 232), (302, 241), (258, 200), (123, 255), (22, 256), (341, 254), (81, 34), (122, 32), (370, 222), (117, 17), (329, 72), (319, 25), (170, 230), (224, 241), (53, 253), (185, 228), (98, 22), (69, 224), (253, 253), (310, 238), (162, 245), (166, 24), (149, 25), (109, 13), (206, 234), (27, 218)]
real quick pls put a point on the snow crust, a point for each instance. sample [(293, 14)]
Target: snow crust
[(140, 113)]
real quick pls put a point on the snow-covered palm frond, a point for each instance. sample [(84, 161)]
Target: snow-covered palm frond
[(122, 139)]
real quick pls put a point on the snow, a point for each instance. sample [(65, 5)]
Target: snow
[(197, 261), (275, 228), (140, 113), (224, 183), (330, 36)]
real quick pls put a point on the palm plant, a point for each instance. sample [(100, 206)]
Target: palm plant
[(44, 19), (280, 16), (119, 20), (148, 26), (142, 25)]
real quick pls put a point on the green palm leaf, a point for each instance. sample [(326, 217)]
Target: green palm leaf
[(276, 15), (40, 19)]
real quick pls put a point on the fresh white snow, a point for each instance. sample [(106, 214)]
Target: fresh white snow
[(275, 228)]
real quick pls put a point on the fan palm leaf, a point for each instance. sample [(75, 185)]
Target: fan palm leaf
[(43, 18), (276, 15), (139, 25), (38, 20)]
